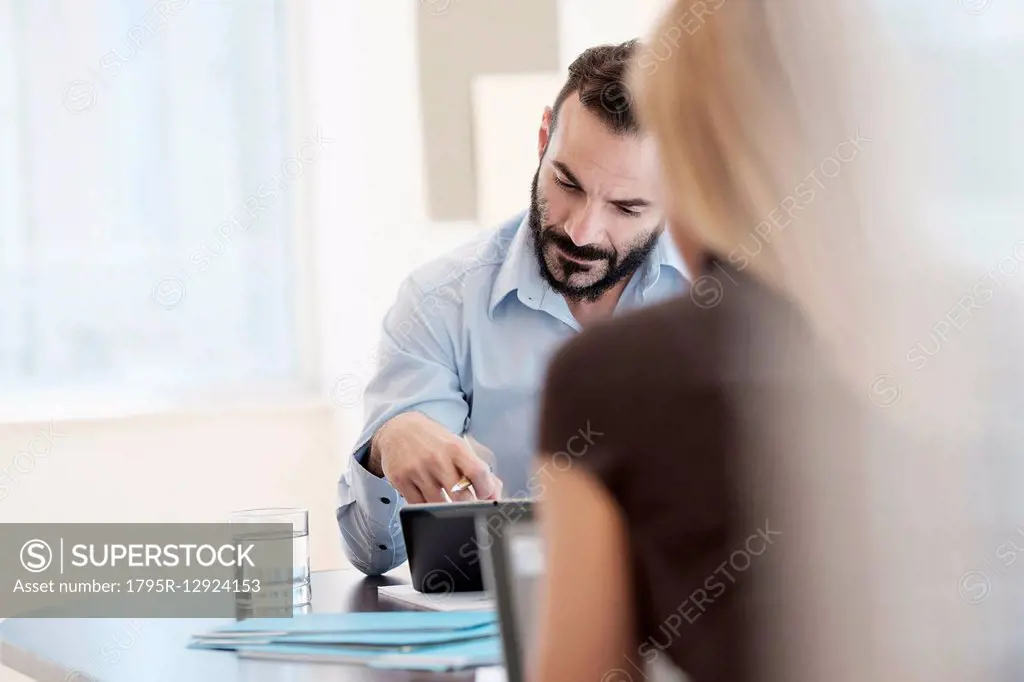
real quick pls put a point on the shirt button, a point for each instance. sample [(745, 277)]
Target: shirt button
[(382, 546), (385, 500)]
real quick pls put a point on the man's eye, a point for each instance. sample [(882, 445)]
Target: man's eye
[(628, 212), (565, 185)]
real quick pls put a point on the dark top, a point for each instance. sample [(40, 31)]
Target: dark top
[(679, 400)]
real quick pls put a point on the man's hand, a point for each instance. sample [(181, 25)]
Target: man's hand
[(420, 458)]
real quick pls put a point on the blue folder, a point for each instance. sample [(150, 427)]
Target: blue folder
[(447, 657), (411, 640), (388, 640), (359, 623)]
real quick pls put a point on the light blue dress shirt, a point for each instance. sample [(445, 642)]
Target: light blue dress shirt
[(467, 343)]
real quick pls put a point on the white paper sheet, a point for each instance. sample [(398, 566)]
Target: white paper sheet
[(455, 601), (490, 674)]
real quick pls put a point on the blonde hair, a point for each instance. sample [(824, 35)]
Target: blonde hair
[(795, 146), (753, 106)]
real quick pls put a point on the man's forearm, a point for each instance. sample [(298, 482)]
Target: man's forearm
[(373, 458), (379, 441)]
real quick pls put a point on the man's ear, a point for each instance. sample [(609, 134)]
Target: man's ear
[(544, 135)]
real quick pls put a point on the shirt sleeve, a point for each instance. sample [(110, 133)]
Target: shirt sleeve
[(417, 371)]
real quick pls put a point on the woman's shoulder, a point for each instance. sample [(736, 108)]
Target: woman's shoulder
[(672, 336), (630, 381)]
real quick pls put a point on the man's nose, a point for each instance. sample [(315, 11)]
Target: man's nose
[(584, 226)]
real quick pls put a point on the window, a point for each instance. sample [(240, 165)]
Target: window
[(147, 179), (974, 51)]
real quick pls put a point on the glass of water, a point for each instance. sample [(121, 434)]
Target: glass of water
[(274, 585)]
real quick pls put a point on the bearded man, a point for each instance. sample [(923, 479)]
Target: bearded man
[(465, 346)]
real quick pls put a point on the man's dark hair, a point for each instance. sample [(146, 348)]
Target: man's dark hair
[(599, 76)]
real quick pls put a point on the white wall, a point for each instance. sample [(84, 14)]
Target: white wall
[(507, 112), (585, 23), (369, 199), (368, 220), (174, 467)]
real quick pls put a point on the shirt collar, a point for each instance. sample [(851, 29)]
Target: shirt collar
[(519, 272)]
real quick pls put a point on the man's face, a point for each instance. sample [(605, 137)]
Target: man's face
[(592, 211)]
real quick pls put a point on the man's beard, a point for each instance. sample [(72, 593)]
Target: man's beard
[(618, 267)]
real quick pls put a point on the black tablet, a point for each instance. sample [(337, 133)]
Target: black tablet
[(441, 542)]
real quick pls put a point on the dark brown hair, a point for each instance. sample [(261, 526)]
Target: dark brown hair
[(600, 77)]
